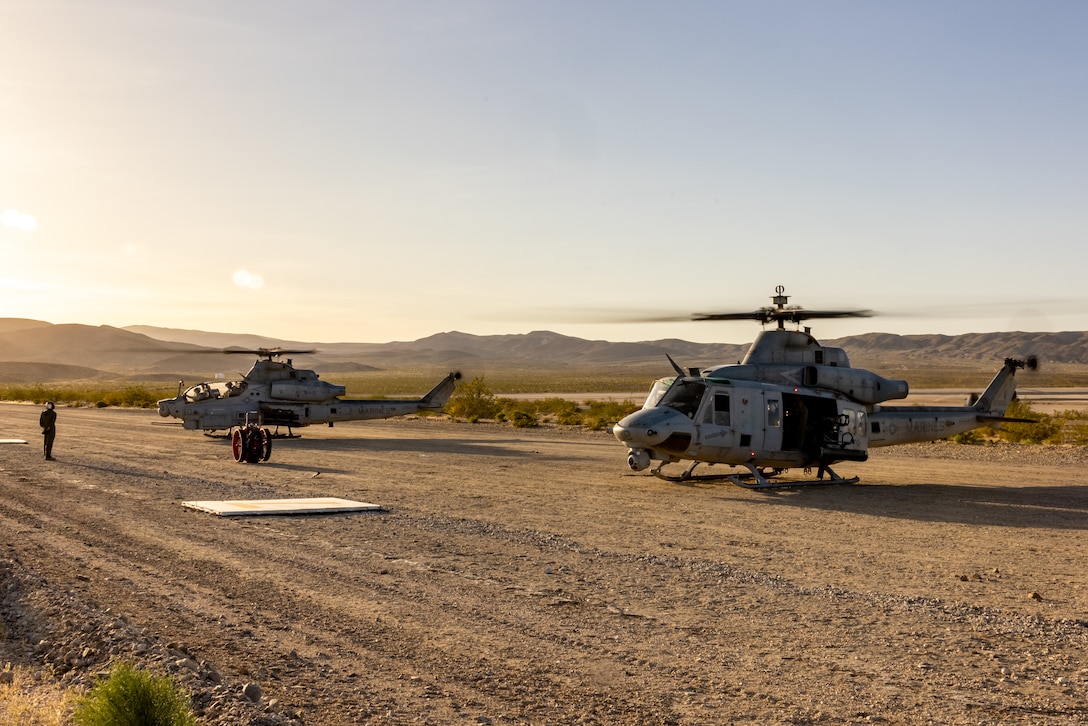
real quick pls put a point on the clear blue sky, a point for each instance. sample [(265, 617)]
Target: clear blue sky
[(376, 171)]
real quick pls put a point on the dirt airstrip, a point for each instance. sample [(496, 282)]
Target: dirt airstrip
[(526, 577)]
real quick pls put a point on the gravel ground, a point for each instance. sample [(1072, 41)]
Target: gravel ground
[(525, 576)]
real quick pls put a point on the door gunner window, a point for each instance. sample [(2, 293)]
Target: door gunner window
[(774, 413), (718, 414)]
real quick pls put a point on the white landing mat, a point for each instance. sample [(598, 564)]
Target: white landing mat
[(250, 507)]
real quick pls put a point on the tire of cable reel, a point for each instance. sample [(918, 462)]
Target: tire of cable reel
[(237, 445), (266, 444)]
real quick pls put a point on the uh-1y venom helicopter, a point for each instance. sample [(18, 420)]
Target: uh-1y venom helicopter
[(275, 393), (791, 403)]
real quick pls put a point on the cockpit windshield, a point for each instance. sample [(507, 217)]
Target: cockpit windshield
[(685, 395), (661, 385), (218, 389)]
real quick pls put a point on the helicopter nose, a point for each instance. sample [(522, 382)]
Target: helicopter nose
[(165, 409), (650, 427)]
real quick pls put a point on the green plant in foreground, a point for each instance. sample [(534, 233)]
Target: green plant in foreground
[(133, 697)]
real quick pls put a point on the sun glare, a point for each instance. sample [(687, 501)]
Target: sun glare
[(250, 280), (14, 219)]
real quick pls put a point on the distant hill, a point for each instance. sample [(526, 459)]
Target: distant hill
[(103, 347), (37, 351), (29, 374), (1067, 347), (9, 324)]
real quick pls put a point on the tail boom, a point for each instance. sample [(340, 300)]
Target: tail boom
[(890, 425)]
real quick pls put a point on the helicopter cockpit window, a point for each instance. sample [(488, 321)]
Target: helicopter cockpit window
[(233, 388), (684, 396), (199, 392), (718, 413), (656, 392), (219, 389)]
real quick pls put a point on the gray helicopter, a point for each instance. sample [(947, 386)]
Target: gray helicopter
[(791, 403), (275, 393)]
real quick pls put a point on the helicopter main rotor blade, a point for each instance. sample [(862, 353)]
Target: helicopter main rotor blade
[(264, 351), (793, 315), (267, 353)]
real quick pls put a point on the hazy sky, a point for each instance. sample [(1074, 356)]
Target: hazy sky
[(376, 171)]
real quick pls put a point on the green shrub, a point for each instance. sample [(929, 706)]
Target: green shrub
[(558, 407), (1075, 433), (611, 410), (968, 438), (472, 400), (1042, 430), (570, 418), (524, 419), (130, 396), (132, 697)]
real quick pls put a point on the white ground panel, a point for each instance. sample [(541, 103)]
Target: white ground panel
[(251, 507), (12, 441)]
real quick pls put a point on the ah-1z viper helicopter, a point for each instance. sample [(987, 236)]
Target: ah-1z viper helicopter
[(791, 403), (275, 393)]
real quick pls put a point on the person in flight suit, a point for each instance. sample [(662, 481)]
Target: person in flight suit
[(48, 421)]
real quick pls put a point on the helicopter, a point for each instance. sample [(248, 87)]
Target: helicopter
[(275, 393), (791, 403)]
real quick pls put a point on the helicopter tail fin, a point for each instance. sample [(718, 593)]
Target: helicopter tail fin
[(437, 396), (995, 400)]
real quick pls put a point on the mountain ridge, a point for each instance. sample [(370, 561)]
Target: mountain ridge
[(166, 352)]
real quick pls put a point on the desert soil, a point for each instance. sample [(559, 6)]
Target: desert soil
[(527, 577)]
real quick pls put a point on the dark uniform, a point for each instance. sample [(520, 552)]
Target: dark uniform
[(48, 421)]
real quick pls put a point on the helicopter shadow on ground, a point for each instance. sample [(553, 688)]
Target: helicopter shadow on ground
[(420, 445), (307, 468), (1061, 506)]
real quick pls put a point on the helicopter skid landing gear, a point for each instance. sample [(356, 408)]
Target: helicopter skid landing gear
[(756, 480), (687, 477)]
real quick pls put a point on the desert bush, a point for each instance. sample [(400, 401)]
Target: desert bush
[(133, 697), (614, 410), (1070, 427), (1074, 432), (130, 396), (133, 396), (524, 420), (472, 401), (969, 438), (571, 417), (1044, 429), (521, 414), (555, 406)]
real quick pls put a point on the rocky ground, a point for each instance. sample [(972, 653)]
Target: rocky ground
[(526, 577)]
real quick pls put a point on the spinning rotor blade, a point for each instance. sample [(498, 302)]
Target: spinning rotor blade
[(264, 352), (780, 315)]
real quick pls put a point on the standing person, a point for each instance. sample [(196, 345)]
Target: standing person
[(48, 421)]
